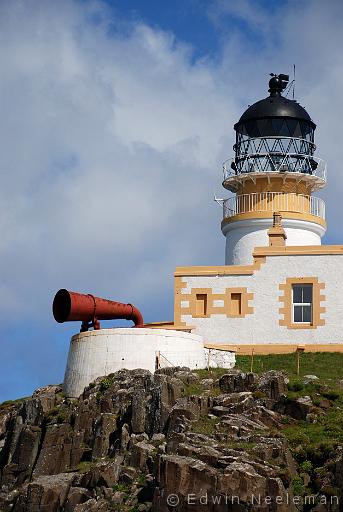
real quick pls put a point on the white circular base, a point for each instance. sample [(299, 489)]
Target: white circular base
[(244, 235), (93, 354)]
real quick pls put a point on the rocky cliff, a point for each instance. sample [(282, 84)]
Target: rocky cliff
[(134, 441)]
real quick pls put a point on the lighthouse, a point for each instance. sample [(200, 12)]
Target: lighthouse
[(280, 288), (274, 169)]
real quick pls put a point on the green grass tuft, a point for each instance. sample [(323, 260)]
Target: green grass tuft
[(205, 425), (84, 467), (327, 366), (11, 403)]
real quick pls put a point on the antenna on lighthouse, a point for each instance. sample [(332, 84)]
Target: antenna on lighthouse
[(293, 80)]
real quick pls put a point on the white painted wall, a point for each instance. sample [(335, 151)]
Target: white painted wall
[(93, 354), (220, 358), (263, 325), (244, 235)]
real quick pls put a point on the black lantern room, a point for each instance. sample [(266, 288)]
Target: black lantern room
[(275, 134)]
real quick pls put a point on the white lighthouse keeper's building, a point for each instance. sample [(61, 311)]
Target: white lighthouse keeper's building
[(279, 289)]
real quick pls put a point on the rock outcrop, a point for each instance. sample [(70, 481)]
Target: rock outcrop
[(134, 441)]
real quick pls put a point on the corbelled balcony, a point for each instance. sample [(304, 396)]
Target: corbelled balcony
[(274, 201)]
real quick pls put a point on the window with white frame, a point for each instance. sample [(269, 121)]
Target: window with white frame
[(302, 302)]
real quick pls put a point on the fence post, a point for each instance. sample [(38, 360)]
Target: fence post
[(208, 360), (300, 350), (252, 360), (157, 360)]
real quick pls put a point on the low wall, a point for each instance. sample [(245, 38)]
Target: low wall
[(220, 358), (96, 353)]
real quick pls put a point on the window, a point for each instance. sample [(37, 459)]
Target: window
[(236, 304), (302, 303), (201, 304), (302, 299)]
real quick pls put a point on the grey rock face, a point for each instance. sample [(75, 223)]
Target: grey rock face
[(237, 382), (132, 438), (308, 379)]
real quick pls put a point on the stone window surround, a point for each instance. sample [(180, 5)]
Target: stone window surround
[(286, 311), (212, 309)]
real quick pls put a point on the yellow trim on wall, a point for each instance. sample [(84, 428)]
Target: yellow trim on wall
[(223, 270), (245, 297), (192, 299), (286, 300), (274, 348), (259, 255), (269, 215), (212, 309), (178, 286), (299, 250)]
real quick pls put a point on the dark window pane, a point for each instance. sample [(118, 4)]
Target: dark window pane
[(291, 123), (242, 129), (298, 313), (307, 293), (284, 131), (277, 126), (262, 125), (307, 314), (305, 128), (297, 131), (297, 294), (269, 127), (252, 130)]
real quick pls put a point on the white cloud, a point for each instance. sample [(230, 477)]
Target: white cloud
[(111, 151)]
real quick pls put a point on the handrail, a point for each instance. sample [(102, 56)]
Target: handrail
[(258, 163), (273, 201)]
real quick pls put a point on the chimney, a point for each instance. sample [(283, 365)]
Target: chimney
[(276, 234)]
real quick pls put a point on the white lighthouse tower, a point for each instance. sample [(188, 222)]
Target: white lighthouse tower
[(274, 169)]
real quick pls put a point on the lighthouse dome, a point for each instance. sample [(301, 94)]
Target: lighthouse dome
[(276, 116)]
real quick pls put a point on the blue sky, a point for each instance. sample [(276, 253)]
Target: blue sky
[(188, 20), (116, 117)]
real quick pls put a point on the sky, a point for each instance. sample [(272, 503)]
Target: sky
[(115, 118)]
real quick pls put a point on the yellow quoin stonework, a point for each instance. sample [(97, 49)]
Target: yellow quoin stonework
[(286, 300), (235, 303), (199, 303)]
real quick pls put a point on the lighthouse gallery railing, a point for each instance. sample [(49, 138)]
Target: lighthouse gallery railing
[(273, 201)]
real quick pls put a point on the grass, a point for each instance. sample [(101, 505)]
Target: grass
[(121, 488), (314, 441), (241, 445), (141, 480), (196, 389), (191, 389), (327, 366), (106, 382), (84, 467), (205, 425), (58, 414), (312, 444), (10, 403), (214, 373)]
